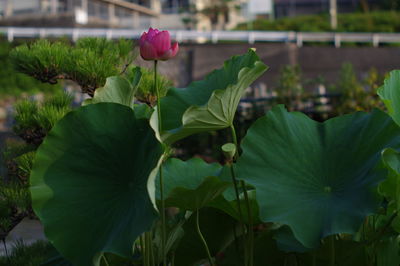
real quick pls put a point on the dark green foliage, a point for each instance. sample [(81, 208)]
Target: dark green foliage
[(14, 205), (355, 22), (41, 59), (15, 198), (88, 63), (34, 120), (12, 83), (15, 153)]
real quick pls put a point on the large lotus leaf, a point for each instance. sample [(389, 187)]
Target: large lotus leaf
[(318, 178), (89, 182), (390, 95), (209, 104), (117, 90), (390, 188), (191, 184)]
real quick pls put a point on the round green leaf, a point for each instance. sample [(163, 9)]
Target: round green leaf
[(89, 182), (390, 188), (191, 184), (318, 178), (390, 95)]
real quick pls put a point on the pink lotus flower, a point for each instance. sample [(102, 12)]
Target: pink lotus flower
[(156, 45)]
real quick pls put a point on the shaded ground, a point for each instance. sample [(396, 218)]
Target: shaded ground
[(28, 231)]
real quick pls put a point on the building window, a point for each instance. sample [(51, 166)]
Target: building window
[(174, 6)]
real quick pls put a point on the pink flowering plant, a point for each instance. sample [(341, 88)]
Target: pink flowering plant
[(109, 189), (156, 45)]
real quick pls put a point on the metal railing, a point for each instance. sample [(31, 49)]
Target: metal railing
[(208, 36)]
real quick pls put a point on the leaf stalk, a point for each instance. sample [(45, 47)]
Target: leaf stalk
[(163, 219)]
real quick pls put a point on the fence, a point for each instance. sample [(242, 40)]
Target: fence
[(208, 36)]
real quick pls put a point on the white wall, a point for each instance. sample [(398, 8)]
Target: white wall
[(260, 6)]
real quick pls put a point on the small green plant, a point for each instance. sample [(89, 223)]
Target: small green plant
[(33, 120), (145, 92), (357, 95), (290, 89), (88, 63), (15, 84), (15, 201)]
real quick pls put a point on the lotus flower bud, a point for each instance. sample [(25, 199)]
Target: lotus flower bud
[(156, 45)]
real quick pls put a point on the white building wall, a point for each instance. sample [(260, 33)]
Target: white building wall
[(171, 21), (11, 7)]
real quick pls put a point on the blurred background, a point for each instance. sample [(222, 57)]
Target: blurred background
[(326, 57), (310, 45)]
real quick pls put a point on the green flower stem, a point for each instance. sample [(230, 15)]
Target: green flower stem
[(105, 260), (233, 175), (142, 248), (158, 97), (332, 250), (148, 248), (250, 230), (163, 220), (151, 250), (173, 259), (314, 258), (210, 260), (234, 137), (249, 249), (234, 181)]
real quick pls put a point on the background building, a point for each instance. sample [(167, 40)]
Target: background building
[(203, 14), (79, 13), (168, 14), (200, 15)]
